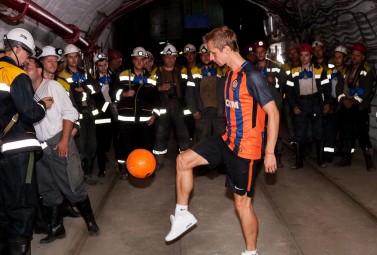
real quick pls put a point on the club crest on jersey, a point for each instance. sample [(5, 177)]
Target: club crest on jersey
[(234, 85)]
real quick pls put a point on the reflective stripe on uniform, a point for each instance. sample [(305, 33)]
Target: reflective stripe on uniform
[(142, 119), (117, 96), (20, 144), (325, 81), (156, 111), (125, 118), (290, 83), (186, 112), (91, 88), (95, 112), (160, 152), (4, 87), (341, 96), (104, 107), (191, 84), (328, 149), (102, 121), (162, 111)]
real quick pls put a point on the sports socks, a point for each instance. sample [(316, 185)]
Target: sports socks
[(180, 209), (250, 253)]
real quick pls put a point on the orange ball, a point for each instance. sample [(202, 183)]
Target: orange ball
[(141, 163)]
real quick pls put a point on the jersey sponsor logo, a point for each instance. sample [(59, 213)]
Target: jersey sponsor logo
[(232, 104)]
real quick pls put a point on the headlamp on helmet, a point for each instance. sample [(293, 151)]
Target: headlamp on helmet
[(98, 57), (189, 48), (139, 52), (51, 51), (169, 49), (317, 43), (203, 49)]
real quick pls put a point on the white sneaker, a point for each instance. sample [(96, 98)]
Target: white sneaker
[(180, 225), (248, 253)]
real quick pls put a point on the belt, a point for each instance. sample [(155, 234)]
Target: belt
[(311, 96)]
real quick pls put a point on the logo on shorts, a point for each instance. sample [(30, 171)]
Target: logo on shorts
[(237, 188)]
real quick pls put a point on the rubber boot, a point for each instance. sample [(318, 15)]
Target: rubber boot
[(88, 170), (368, 155), (159, 161), (319, 150), (41, 221), (57, 230), (124, 174), (346, 158), (299, 162), (67, 210), (3, 241), (101, 160), (86, 212), (19, 246)]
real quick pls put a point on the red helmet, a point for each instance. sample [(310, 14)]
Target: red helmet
[(262, 44), (360, 47), (305, 47)]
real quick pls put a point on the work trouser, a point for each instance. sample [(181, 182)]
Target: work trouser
[(60, 175), (104, 136), (210, 124), (174, 116), (134, 136), (86, 142), (354, 125), (18, 199)]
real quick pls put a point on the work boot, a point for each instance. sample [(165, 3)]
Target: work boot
[(368, 155), (124, 174), (41, 224), (86, 212), (3, 241), (319, 150), (88, 169), (299, 162), (19, 246), (67, 210), (346, 158), (57, 230), (159, 161)]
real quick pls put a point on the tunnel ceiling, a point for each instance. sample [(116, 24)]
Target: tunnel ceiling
[(335, 22)]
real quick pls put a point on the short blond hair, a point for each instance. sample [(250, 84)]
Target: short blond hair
[(221, 37)]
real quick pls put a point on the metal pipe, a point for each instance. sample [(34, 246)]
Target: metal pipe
[(69, 32)]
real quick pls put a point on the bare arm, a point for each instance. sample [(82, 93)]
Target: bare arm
[(63, 144), (272, 135)]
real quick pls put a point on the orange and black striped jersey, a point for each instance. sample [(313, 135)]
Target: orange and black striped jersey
[(246, 92)]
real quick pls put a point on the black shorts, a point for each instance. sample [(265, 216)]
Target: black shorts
[(241, 172)]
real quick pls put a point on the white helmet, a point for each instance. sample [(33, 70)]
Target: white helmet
[(203, 49), (169, 49), (150, 55), (99, 56), (51, 51), (139, 52), (341, 49), (189, 48), (19, 36), (70, 48)]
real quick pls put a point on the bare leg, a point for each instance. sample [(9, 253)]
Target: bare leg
[(249, 221), (186, 161)]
